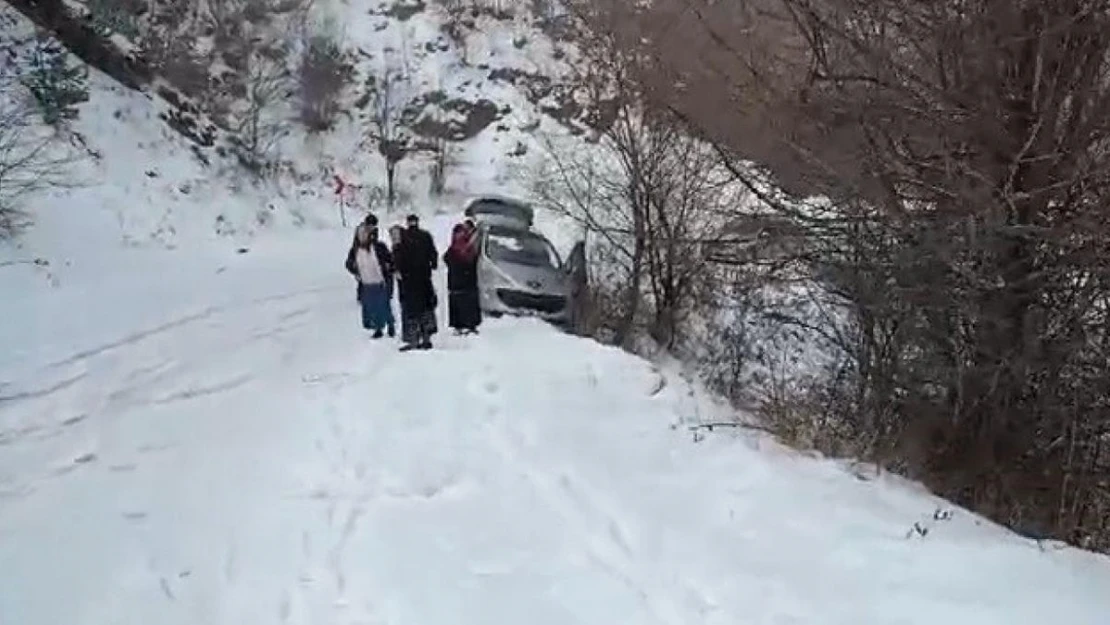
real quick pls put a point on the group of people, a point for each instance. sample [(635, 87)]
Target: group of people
[(406, 266)]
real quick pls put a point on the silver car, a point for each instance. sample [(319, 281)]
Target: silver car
[(519, 270)]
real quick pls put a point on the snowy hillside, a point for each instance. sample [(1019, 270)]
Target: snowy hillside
[(491, 93)]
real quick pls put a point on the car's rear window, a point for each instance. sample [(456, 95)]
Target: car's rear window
[(504, 209)]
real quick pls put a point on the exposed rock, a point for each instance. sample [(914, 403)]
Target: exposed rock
[(404, 11), (559, 101), (438, 45), (535, 86), (187, 118), (455, 119)]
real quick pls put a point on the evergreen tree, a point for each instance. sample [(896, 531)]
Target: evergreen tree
[(57, 85)]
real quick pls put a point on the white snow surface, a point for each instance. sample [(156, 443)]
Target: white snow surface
[(205, 437), (194, 435)]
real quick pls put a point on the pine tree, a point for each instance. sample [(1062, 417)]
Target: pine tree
[(110, 17), (57, 85)]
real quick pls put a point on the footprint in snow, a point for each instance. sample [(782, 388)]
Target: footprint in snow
[(87, 458), (74, 420)]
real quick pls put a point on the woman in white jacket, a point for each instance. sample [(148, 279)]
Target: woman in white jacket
[(371, 263)]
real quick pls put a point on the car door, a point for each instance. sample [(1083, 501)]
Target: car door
[(575, 267), (578, 281)]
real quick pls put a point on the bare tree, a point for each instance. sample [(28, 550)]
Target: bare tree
[(962, 151), (228, 20), (262, 81), (32, 158), (325, 72), (168, 41), (443, 157), (651, 198), (388, 99), (261, 123), (442, 151)]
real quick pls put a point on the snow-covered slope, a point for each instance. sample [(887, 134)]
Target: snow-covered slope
[(204, 437), (138, 181), (498, 61)]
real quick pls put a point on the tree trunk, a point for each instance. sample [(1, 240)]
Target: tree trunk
[(390, 177), (632, 294)]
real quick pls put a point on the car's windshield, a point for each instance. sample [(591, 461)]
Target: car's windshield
[(520, 247)]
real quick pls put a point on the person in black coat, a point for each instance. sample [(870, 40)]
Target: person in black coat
[(415, 259), (464, 313)]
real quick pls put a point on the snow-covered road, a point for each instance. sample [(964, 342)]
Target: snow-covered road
[(209, 438)]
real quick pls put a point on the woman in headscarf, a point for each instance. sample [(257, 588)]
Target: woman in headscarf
[(371, 263), (394, 241), (463, 311), (369, 221)]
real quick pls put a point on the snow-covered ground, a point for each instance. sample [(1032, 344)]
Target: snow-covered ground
[(194, 429), (207, 437)]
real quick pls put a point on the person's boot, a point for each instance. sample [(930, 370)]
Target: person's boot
[(376, 335), (408, 347), (392, 331)]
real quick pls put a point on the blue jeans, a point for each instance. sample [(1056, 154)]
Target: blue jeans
[(377, 314)]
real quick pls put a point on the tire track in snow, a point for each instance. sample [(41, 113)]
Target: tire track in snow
[(607, 543), (171, 363), (134, 372), (46, 391), (346, 492), (115, 389), (194, 392), (135, 338)]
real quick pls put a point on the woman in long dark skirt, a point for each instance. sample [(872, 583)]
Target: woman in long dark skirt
[(464, 312), (416, 258), (394, 241)]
